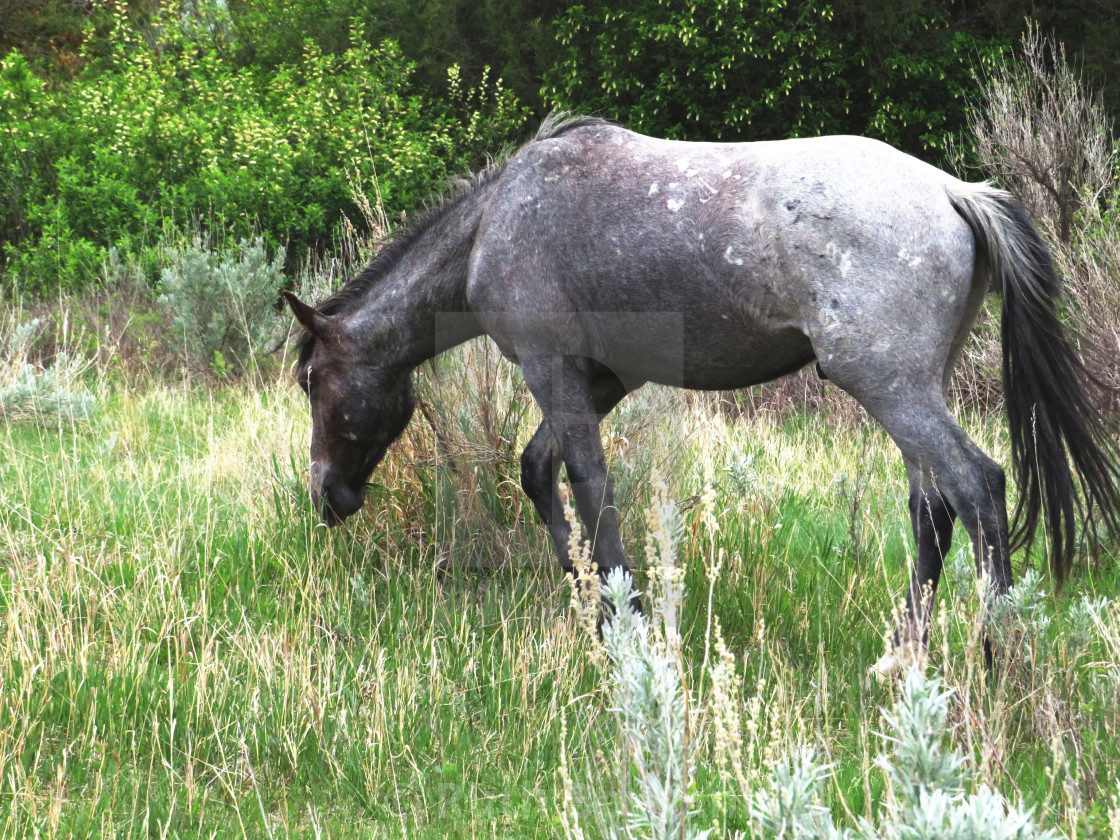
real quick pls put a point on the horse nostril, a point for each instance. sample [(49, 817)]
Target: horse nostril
[(316, 476)]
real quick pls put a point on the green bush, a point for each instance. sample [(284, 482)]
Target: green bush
[(169, 127), (745, 70)]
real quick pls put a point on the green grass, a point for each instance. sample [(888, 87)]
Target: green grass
[(185, 652)]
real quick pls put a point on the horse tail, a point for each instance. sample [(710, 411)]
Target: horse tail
[(1056, 432)]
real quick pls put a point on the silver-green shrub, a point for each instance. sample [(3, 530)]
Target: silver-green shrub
[(790, 806), (926, 796), (917, 763), (38, 393), (223, 302), (929, 799), (1019, 622), (930, 790), (649, 699)]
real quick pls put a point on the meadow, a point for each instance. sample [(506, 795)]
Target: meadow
[(186, 652)]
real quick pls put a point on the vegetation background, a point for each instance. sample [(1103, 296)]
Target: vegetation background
[(253, 117), (185, 652)]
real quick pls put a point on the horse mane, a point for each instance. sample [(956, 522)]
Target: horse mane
[(559, 123), (394, 245)]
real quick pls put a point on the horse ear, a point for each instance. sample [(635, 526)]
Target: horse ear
[(312, 320)]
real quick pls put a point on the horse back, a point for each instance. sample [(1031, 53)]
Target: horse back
[(761, 250)]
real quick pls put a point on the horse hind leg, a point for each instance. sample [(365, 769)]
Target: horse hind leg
[(931, 521), (949, 474)]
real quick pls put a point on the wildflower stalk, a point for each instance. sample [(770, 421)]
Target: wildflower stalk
[(585, 600)]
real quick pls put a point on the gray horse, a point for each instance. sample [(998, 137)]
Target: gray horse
[(599, 259)]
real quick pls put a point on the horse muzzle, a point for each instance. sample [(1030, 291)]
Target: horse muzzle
[(332, 496)]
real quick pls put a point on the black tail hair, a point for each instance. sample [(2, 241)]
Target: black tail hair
[(1055, 429)]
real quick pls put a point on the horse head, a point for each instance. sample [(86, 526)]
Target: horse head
[(358, 409)]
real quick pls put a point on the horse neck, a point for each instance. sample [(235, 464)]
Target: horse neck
[(424, 295)]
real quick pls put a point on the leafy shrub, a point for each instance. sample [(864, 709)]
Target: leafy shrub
[(223, 303), (742, 70), (171, 127)]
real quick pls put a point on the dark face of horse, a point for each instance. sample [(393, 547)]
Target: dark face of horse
[(357, 411)]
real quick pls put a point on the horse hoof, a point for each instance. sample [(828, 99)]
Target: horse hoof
[(896, 661), (887, 668)]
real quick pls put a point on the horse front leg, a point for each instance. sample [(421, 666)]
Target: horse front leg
[(541, 461), (574, 394)]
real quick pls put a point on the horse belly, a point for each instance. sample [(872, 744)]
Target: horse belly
[(706, 349), (724, 359)]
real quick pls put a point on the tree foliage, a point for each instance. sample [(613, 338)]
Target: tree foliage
[(51, 31), (898, 66), (1089, 29), (744, 69), (514, 38), (168, 127)]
